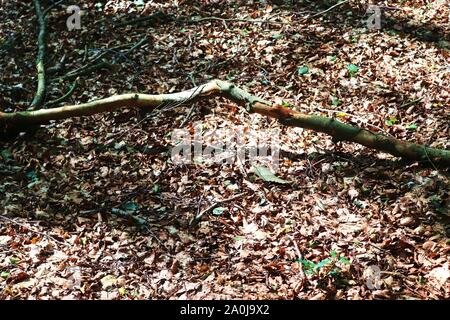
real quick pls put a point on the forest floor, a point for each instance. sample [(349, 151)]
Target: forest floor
[(351, 223)]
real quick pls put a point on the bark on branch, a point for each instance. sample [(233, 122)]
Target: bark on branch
[(338, 130), (40, 60)]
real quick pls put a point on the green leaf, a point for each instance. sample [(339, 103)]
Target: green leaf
[(122, 291), (335, 101), (244, 32), (13, 260), (333, 254), (309, 266), (130, 206), (218, 211), (172, 230), (4, 274), (32, 176), (286, 104), (332, 58), (313, 244), (352, 68), (391, 121), (108, 281), (344, 260), (277, 36), (412, 127), (119, 145), (139, 3), (156, 188), (322, 263), (303, 70), (267, 175), (6, 154)]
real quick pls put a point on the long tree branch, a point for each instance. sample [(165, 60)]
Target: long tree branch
[(40, 60), (338, 130)]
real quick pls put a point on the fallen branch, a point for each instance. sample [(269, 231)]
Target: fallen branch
[(336, 129), (40, 60), (356, 117)]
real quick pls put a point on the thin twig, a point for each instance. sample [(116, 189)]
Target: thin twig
[(84, 71), (327, 10), (215, 205), (200, 19), (34, 230), (410, 103), (300, 258), (65, 96), (46, 11)]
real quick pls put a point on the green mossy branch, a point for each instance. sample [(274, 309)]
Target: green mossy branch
[(39, 96), (336, 129)]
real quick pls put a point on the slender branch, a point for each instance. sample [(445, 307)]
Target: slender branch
[(84, 71), (215, 205), (55, 4), (34, 230), (195, 19), (338, 130), (40, 60), (65, 96), (94, 65), (327, 10), (201, 19), (407, 104), (57, 67)]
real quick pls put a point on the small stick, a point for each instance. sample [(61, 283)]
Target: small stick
[(329, 9), (65, 96), (33, 230), (215, 205)]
